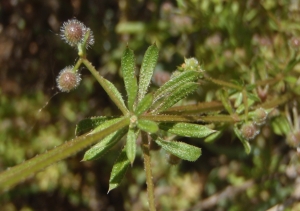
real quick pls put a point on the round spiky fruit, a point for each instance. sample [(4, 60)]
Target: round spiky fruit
[(249, 131), (73, 33), (67, 79)]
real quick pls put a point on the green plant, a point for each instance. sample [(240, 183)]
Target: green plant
[(154, 115)]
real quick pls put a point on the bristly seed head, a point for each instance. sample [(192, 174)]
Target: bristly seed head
[(67, 79), (73, 32), (249, 131)]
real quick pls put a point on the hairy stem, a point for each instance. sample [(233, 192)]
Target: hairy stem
[(14, 175), (147, 164), (222, 83)]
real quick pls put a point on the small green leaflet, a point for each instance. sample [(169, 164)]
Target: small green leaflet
[(177, 81), (187, 129), (180, 149), (119, 170), (147, 125), (175, 96), (87, 125), (144, 105), (242, 139), (128, 70), (147, 69), (98, 150), (131, 145)]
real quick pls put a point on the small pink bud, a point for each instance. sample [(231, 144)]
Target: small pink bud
[(68, 79)]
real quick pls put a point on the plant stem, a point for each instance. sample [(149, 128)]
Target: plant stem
[(105, 86), (222, 83), (191, 118), (147, 164), (18, 173)]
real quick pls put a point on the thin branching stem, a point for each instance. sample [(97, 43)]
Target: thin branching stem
[(147, 164)]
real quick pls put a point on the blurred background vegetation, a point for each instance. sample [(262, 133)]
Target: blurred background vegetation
[(241, 40)]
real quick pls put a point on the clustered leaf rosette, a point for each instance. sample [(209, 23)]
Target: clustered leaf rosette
[(73, 32), (141, 111), (68, 79)]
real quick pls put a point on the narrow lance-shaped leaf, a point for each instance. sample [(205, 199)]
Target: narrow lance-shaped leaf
[(144, 105), (180, 149), (131, 145), (109, 88), (87, 125), (104, 145), (128, 70), (177, 81), (175, 96), (147, 125), (242, 139), (187, 129), (147, 69), (116, 92), (119, 170)]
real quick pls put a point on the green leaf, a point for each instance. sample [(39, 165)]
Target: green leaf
[(144, 105), (128, 70), (213, 137), (177, 81), (180, 149), (116, 92), (131, 145), (106, 124), (147, 125), (119, 169), (242, 139), (147, 70), (87, 125), (187, 129), (104, 145), (253, 97), (175, 96), (280, 126)]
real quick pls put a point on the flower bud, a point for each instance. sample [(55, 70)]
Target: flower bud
[(68, 79), (249, 131), (259, 116), (73, 33)]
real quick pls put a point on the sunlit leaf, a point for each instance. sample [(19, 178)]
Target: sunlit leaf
[(87, 125), (128, 70), (187, 129), (180, 149), (147, 69), (213, 137), (174, 82), (175, 96), (98, 150), (147, 125), (131, 145), (119, 170), (144, 105)]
